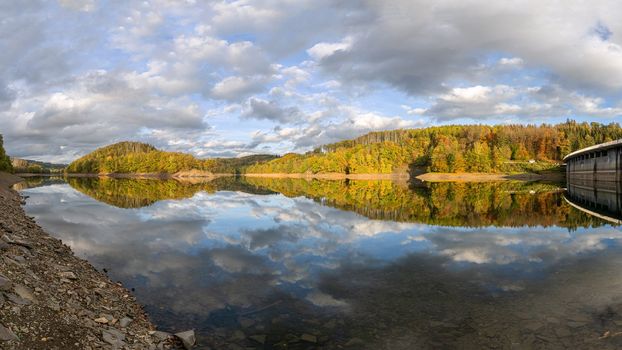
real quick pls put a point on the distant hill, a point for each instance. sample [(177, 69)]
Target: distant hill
[(141, 158), (5, 161), (452, 148), (36, 167)]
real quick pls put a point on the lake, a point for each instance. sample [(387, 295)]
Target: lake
[(295, 264)]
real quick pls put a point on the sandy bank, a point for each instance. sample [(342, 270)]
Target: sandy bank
[(208, 176), (430, 177), (50, 299), (334, 176), (484, 177)]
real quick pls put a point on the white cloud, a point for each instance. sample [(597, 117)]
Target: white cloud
[(236, 88), (320, 51), (512, 61), (79, 5), (476, 94), (271, 110), (535, 103), (343, 122)]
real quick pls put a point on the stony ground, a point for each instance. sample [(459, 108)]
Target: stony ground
[(50, 299)]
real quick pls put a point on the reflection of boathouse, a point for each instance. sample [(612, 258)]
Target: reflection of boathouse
[(594, 180)]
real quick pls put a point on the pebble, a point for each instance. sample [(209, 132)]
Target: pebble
[(102, 320), (68, 275)]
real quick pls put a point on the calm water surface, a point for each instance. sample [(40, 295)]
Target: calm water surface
[(296, 264)]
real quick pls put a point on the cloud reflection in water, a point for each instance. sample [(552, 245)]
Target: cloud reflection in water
[(203, 261)]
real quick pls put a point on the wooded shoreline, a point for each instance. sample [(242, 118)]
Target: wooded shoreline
[(426, 176)]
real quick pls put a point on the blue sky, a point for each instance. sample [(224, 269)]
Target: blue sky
[(231, 78)]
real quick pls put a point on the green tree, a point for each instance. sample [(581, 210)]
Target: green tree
[(5, 161)]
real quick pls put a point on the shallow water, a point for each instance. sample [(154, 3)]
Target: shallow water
[(296, 264)]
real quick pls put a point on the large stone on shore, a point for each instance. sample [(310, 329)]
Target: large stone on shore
[(24, 292), (188, 338), (5, 283), (6, 334), (68, 275), (113, 337), (16, 299), (125, 321), (102, 320)]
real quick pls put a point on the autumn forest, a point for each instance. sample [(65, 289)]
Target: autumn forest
[(450, 149)]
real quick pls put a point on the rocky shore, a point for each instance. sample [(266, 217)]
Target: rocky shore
[(50, 299)]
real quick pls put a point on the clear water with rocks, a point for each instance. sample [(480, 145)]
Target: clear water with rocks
[(297, 264)]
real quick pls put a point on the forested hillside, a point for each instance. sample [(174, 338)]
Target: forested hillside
[(36, 167), (136, 158), (5, 161), (238, 165), (455, 148)]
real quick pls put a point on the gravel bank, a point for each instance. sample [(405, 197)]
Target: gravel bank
[(50, 299)]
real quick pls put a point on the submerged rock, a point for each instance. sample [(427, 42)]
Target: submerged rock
[(260, 338), (355, 342), (308, 338)]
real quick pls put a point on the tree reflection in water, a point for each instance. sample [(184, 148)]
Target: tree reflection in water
[(443, 203), (301, 264)]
